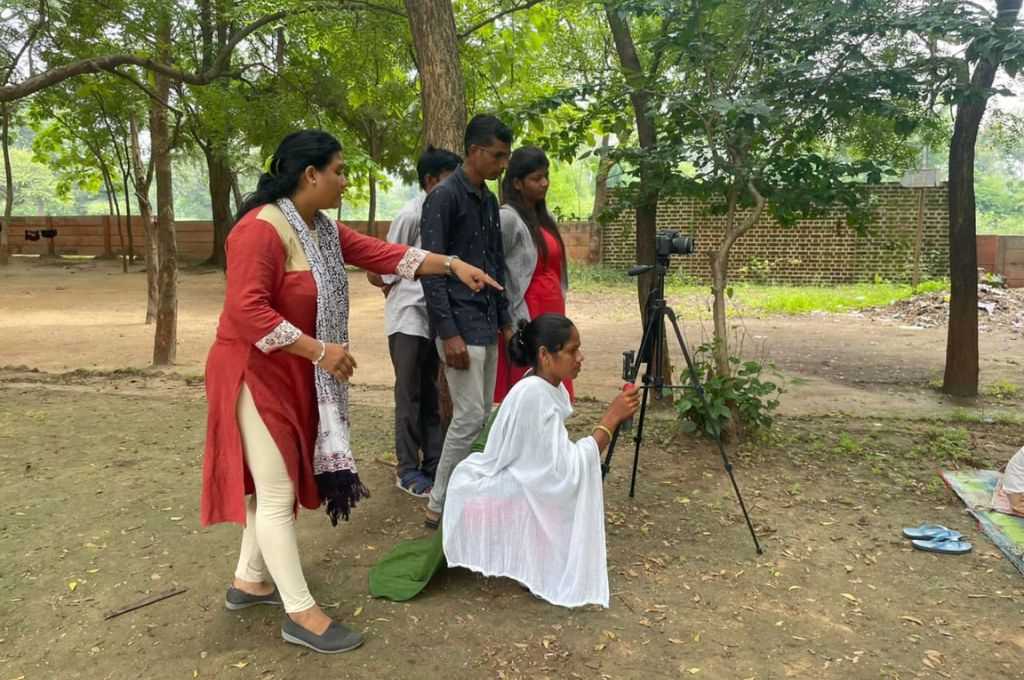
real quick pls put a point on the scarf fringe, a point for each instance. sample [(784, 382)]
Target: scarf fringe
[(340, 491)]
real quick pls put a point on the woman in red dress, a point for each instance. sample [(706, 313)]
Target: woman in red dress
[(277, 376), (536, 278)]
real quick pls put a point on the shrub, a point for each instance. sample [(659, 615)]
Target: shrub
[(751, 397)]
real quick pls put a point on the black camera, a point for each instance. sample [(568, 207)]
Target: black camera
[(669, 242)]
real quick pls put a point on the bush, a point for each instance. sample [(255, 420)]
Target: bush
[(752, 397)]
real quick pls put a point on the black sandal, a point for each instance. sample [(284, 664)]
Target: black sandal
[(431, 523)]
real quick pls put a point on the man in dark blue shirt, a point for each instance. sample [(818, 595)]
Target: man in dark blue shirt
[(460, 219)]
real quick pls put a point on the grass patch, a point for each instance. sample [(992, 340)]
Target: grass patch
[(761, 298), (833, 299)]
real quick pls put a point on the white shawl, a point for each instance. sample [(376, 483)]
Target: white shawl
[(530, 507)]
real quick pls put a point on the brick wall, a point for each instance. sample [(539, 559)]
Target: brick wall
[(820, 251), (98, 236)]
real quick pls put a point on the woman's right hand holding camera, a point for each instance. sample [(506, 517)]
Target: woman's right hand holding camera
[(337, 361)]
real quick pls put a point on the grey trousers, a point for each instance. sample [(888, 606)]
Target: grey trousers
[(472, 393)]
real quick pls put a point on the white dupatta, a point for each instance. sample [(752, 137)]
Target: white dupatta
[(530, 506)]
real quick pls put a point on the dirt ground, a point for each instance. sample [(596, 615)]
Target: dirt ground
[(99, 485)]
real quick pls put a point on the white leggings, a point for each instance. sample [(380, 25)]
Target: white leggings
[(268, 540)]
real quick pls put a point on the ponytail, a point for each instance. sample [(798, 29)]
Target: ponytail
[(550, 331)]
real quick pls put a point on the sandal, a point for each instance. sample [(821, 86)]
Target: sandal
[(433, 519), (414, 483), (925, 532), (943, 546)]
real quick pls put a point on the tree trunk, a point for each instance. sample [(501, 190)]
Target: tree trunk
[(236, 192), (442, 89), (114, 209), (647, 200), (165, 336), (142, 181), (5, 225), (126, 181), (604, 166), (220, 175), (371, 212), (961, 374)]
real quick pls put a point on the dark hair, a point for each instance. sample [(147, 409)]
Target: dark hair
[(435, 161), (484, 129), (551, 331), (524, 161), (294, 154)]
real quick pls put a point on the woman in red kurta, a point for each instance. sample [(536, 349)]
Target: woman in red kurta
[(536, 278), (277, 430)]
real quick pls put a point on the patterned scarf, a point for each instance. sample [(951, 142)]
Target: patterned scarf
[(333, 464)]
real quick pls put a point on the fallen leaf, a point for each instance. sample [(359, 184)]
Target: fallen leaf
[(600, 647), (358, 611), (72, 585), (177, 518), (913, 619), (677, 641), (693, 671), (195, 673), (850, 597), (91, 571), (240, 664)]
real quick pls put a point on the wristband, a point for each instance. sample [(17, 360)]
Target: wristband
[(603, 429), (448, 264), (323, 351)]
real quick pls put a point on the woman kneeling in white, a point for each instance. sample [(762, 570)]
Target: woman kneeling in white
[(530, 506)]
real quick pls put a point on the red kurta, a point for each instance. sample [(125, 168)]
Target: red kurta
[(268, 280), (543, 296)]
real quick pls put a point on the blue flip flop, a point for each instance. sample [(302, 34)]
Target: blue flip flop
[(945, 547), (925, 532)]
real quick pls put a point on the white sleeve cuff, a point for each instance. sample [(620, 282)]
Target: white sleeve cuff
[(410, 262), (283, 335)]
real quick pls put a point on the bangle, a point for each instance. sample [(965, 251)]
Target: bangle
[(448, 264), (603, 429), (323, 351)]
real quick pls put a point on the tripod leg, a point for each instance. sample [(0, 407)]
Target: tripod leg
[(639, 438), (699, 389)]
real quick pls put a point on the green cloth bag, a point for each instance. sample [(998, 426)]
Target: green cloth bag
[(407, 569), (481, 439)]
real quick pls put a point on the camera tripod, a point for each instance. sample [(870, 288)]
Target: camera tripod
[(650, 353)]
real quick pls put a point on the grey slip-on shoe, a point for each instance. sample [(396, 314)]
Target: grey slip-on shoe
[(239, 599), (336, 639)]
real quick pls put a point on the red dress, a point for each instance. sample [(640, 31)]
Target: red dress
[(544, 295), (268, 280)]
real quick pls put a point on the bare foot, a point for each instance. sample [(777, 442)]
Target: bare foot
[(313, 619), (431, 515), (253, 587)]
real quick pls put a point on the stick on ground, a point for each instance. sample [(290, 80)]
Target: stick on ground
[(145, 602)]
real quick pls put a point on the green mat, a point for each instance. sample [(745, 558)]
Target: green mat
[(407, 569), (975, 488)]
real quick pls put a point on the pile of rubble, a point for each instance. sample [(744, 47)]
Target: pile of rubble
[(998, 308)]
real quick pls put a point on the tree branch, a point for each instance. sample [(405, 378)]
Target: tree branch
[(145, 88), (218, 69), (525, 4)]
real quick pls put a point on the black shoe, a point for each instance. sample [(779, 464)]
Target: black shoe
[(336, 639), (239, 599)]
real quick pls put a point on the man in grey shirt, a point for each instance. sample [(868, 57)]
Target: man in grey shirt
[(415, 360)]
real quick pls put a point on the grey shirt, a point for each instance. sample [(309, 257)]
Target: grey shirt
[(520, 262), (405, 310)]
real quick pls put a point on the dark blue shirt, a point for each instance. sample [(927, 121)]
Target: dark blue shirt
[(462, 219)]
